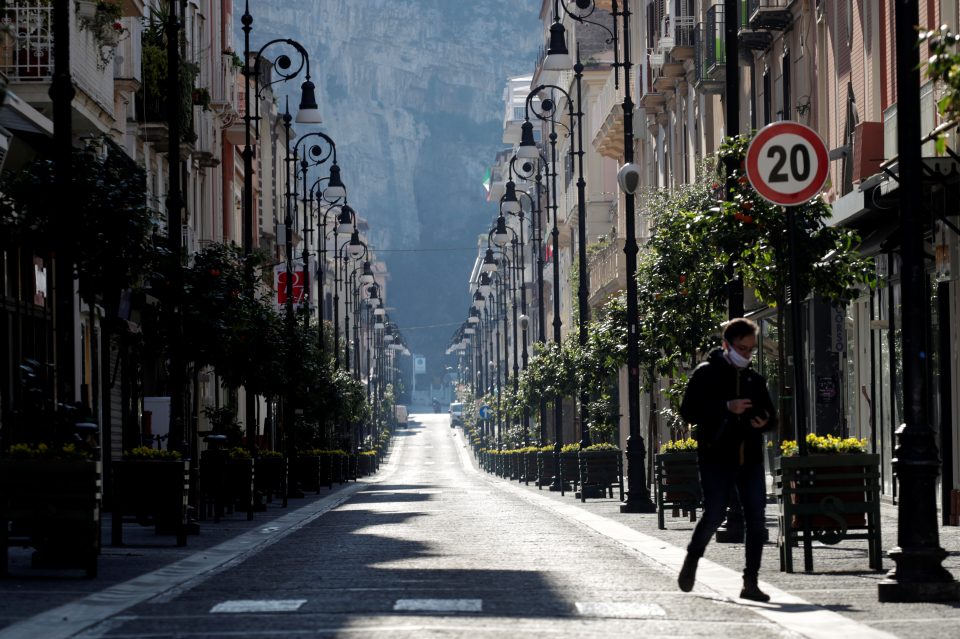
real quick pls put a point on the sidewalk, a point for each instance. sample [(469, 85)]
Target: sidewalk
[(841, 581), (30, 591)]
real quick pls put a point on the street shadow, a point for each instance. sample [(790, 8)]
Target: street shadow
[(360, 562)]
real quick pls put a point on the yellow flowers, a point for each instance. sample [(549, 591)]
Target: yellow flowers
[(146, 452), (679, 446), (67, 452), (825, 445)]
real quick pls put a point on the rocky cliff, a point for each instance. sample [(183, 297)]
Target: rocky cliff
[(411, 91)]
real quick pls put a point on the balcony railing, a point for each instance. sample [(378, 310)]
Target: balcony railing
[(767, 14), (26, 43), (710, 56), (607, 271)]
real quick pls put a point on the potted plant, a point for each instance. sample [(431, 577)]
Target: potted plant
[(106, 27), (677, 479), (271, 475), (367, 462), (544, 465), (50, 500), (569, 466), (240, 480), (151, 486), (601, 468), (829, 495)]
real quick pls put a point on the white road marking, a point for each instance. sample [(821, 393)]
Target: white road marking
[(439, 605), (259, 605), (619, 610)]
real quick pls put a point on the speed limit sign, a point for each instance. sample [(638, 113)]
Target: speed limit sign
[(787, 163)]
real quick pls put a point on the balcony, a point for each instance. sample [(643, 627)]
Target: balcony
[(206, 148), (773, 15), (26, 44), (651, 98), (606, 120), (677, 41), (710, 52), (225, 96), (607, 272), (758, 20)]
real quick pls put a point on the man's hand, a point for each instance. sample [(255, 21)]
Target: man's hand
[(739, 406), (759, 422)]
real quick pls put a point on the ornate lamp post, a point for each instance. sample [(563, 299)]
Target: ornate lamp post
[(322, 149), (638, 495), (918, 574), (527, 150), (352, 250), (524, 319), (308, 113)]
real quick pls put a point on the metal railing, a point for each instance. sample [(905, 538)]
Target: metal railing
[(714, 44), (605, 268), (26, 41)]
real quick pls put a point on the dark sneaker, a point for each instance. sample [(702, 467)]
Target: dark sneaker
[(752, 591), (688, 573)]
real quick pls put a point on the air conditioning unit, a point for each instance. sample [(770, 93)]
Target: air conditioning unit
[(867, 150)]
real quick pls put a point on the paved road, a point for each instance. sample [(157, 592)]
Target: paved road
[(429, 547)]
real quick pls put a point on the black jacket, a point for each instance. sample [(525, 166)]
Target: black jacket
[(722, 437)]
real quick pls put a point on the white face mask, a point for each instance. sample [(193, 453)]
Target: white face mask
[(737, 359)]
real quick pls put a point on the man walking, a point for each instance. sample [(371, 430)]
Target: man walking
[(730, 406)]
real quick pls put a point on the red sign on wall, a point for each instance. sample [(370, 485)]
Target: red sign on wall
[(280, 282)]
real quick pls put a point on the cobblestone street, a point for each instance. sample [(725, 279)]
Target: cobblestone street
[(432, 546)]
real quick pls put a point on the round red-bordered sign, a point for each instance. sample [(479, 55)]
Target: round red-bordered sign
[(787, 163)]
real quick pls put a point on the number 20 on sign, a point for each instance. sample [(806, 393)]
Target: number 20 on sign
[(787, 163)]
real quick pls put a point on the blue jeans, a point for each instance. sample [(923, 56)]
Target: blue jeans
[(717, 483)]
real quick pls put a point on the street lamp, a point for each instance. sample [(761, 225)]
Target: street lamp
[(546, 112), (323, 148), (524, 320), (355, 249), (638, 495), (308, 113)]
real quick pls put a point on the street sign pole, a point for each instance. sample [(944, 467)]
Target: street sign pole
[(796, 319), (787, 165)]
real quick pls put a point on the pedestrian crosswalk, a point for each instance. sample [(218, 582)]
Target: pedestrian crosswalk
[(596, 609)]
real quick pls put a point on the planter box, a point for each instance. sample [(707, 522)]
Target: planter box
[(353, 462), (53, 507), (545, 468), (309, 470), (828, 498), (600, 472), (339, 468), (367, 464), (271, 477), (677, 479), (150, 492), (240, 485), (226, 484), (516, 466), (529, 467), (569, 470)]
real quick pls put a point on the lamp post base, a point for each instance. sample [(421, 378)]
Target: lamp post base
[(641, 504), (918, 577)]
